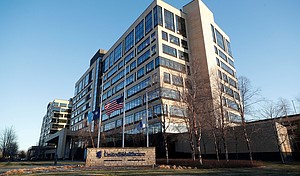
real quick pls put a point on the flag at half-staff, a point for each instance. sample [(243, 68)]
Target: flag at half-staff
[(114, 105)]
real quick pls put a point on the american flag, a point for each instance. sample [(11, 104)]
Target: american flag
[(114, 105)]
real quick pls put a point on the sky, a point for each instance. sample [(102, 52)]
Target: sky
[(45, 47)]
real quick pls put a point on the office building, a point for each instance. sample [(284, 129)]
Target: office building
[(57, 117), (149, 65)]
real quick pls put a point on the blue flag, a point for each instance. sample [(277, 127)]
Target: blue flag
[(96, 114)]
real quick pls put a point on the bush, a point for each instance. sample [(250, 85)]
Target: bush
[(211, 163)]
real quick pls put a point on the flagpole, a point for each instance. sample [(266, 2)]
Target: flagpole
[(100, 114), (124, 96), (147, 114)]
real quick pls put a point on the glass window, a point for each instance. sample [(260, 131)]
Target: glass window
[(228, 48), (129, 57), (153, 36), (164, 35), (174, 40), (180, 26), (183, 56), (177, 111), (111, 59), (139, 31), (121, 64), (143, 45), (153, 49), (170, 93), (143, 57), (184, 44), (169, 50), (167, 77), (130, 79), (177, 80), (170, 64), (118, 52), (148, 22), (213, 32), (150, 66), (220, 40), (169, 20), (140, 86), (140, 72), (129, 41), (133, 65), (157, 15)]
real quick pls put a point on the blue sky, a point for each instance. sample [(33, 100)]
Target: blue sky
[(45, 46)]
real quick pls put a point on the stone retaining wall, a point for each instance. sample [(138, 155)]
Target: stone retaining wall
[(130, 156)]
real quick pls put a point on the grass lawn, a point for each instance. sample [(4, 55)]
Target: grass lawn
[(269, 168)]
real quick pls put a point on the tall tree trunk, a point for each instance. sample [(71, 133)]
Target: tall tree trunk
[(247, 139), (166, 147), (225, 144), (278, 142), (216, 145), (199, 145), (192, 145)]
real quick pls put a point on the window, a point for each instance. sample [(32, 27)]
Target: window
[(119, 86), (111, 59), (117, 77), (230, 62), (118, 52), (213, 32), (180, 26), (157, 15), (106, 85), (164, 35), (169, 20), (157, 110), (129, 57), (121, 64), (140, 86), (140, 72), (143, 45), (129, 41), (184, 44), (112, 71), (130, 79), (167, 77), (228, 48), (153, 50), (170, 64), (139, 31), (133, 65), (174, 40), (143, 57), (148, 22), (177, 111), (220, 40), (170, 93), (222, 55), (150, 66), (183, 56), (169, 50), (133, 104), (153, 36), (177, 80)]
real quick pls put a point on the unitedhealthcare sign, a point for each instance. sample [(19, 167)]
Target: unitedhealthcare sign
[(131, 156)]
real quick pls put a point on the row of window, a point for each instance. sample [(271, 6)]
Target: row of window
[(176, 80), (221, 41), (173, 39), (225, 67), (134, 118), (227, 79), (84, 82)]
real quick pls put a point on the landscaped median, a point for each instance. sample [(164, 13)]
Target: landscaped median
[(176, 167)]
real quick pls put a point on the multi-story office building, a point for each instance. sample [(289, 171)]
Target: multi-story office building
[(86, 95), (149, 65), (57, 117), (156, 53)]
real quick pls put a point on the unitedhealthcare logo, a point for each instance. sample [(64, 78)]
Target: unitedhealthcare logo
[(99, 154)]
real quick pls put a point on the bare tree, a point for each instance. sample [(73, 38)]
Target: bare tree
[(8, 143), (271, 111), (248, 97)]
